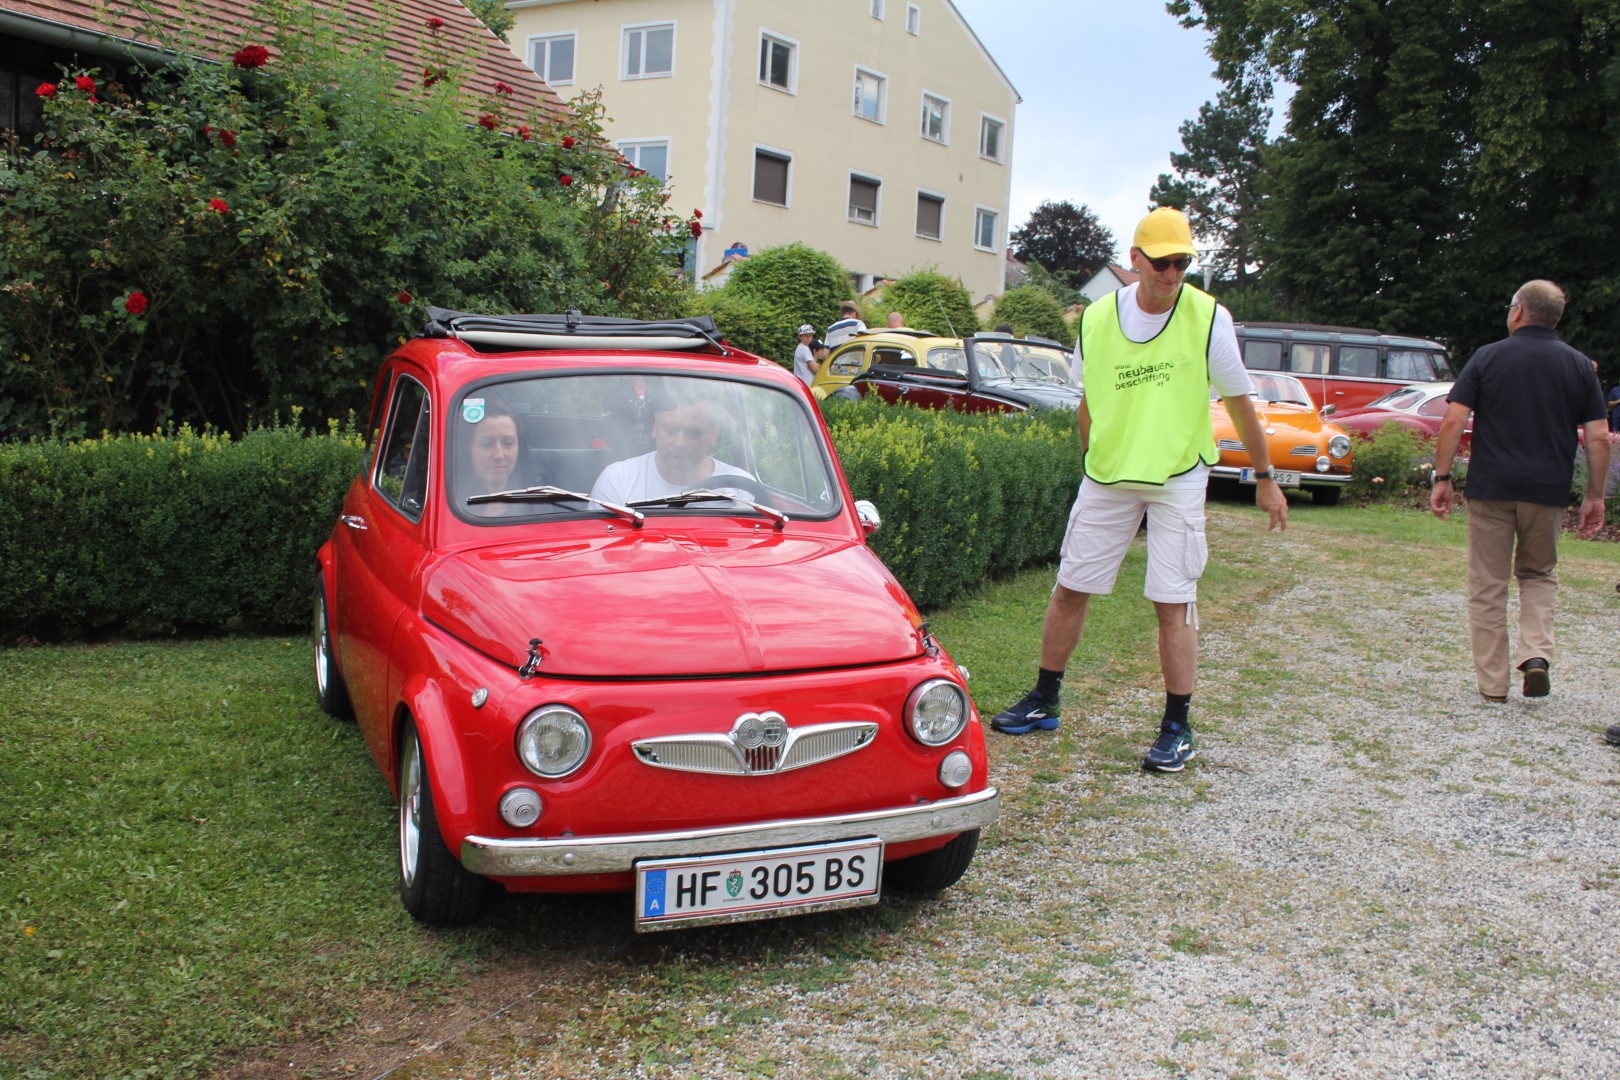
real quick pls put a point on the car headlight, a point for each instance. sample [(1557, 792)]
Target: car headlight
[(553, 740), (936, 712), (1339, 447)]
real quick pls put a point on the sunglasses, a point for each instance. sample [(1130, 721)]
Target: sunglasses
[(1180, 262)]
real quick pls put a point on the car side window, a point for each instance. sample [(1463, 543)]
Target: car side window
[(1262, 355), (1409, 365), (1304, 359), (402, 463), (889, 356), (1435, 406), (1358, 360), (850, 361)]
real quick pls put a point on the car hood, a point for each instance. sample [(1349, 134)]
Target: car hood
[(656, 604), (1035, 392)]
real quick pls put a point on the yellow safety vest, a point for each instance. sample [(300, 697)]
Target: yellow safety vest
[(1149, 401)]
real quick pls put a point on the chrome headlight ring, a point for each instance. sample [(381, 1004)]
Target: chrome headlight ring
[(1339, 447), (553, 741), (936, 712)]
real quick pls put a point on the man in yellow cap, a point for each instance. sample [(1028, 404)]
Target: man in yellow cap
[(1147, 357)]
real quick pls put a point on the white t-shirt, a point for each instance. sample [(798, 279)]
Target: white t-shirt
[(842, 330), (638, 478), (1226, 371), (802, 359)]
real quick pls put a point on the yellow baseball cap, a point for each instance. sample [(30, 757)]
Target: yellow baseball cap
[(1164, 232)]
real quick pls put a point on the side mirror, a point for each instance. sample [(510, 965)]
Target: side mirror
[(871, 520), (1329, 410)]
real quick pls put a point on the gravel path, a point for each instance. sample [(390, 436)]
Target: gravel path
[(1368, 872)]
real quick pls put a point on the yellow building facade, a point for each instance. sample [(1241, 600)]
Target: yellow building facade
[(879, 131)]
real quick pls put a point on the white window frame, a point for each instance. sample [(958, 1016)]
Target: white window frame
[(631, 149), (980, 212), (786, 156), (624, 50), (545, 76), (792, 44), (935, 197), (877, 198), (985, 120), (913, 20), (944, 118), (877, 10), (857, 108)]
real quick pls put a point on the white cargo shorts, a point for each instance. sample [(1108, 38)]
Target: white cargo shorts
[(1105, 519)]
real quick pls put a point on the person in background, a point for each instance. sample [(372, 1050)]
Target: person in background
[(804, 360), (1151, 352), (897, 321), (848, 325), (492, 451), (1528, 393)]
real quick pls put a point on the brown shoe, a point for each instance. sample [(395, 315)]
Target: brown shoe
[(1537, 681), (1494, 699)]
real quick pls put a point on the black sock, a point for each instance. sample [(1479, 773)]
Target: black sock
[(1175, 711), (1049, 684)]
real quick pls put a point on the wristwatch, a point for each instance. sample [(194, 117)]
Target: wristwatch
[(1262, 474), (1442, 478)]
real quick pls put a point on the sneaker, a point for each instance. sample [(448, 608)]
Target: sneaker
[(1171, 751), (1613, 734), (1034, 712), (1537, 681)]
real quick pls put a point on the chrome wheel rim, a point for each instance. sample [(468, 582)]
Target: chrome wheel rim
[(321, 646), (410, 811)]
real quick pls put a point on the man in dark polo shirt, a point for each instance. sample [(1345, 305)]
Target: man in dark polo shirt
[(1529, 393)]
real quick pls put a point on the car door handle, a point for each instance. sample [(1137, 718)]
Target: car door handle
[(903, 389), (354, 521)]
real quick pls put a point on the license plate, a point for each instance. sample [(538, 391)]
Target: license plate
[(1284, 477), (757, 884)]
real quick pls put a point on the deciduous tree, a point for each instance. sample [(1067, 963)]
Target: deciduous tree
[(1066, 239)]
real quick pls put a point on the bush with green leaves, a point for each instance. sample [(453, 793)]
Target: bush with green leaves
[(215, 243), (751, 323), (184, 530), (802, 283), (1032, 311), (963, 496), (1389, 463), (931, 301)]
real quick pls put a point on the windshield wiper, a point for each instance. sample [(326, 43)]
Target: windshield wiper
[(706, 495), (546, 493)]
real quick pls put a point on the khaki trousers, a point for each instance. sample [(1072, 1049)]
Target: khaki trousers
[(1495, 529)]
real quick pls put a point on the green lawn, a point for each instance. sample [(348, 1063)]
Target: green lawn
[(198, 862)]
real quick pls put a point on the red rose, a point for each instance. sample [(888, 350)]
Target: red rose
[(430, 76), (697, 228), (568, 142), (46, 90), (502, 88), (487, 122), (435, 23), (698, 214), (251, 56), (85, 83), (565, 179), (135, 302), (404, 297), (217, 206), (523, 131)]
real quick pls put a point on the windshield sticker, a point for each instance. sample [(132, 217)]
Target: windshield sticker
[(472, 410)]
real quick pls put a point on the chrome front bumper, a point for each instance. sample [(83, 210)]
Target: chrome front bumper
[(1307, 477), (618, 854)]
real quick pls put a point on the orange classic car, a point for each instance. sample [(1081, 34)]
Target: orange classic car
[(1306, 451)]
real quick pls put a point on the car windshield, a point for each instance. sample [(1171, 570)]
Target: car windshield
[(559, 445), (1274, 390), (1021, 360), (1403, 398)]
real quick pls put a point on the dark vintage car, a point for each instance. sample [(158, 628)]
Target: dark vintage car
[(603, 608), (981, 373)]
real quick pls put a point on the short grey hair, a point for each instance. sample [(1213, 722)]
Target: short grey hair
[(1541, 301)]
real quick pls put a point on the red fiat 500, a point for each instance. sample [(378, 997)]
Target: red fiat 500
[(602, 606)]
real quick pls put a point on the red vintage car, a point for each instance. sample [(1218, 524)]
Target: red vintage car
[(603, 607), (1419, 408)]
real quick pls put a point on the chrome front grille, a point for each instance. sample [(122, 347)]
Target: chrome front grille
[(1230, 444), (712, 752), (1307, 450)]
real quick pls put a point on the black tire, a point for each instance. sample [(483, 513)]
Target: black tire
[(1326, 496), (935, 870), (433, 885), (330, 689)]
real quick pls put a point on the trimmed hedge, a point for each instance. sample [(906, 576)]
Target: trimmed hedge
[(143, 534), (201, 533)]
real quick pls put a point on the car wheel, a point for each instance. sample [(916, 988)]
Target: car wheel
[(435, 888), (1326, 496), (933, 871), (330, 689)]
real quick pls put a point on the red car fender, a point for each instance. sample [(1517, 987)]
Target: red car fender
[(441, 749)]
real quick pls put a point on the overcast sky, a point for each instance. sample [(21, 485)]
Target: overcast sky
[(1106, 85)]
